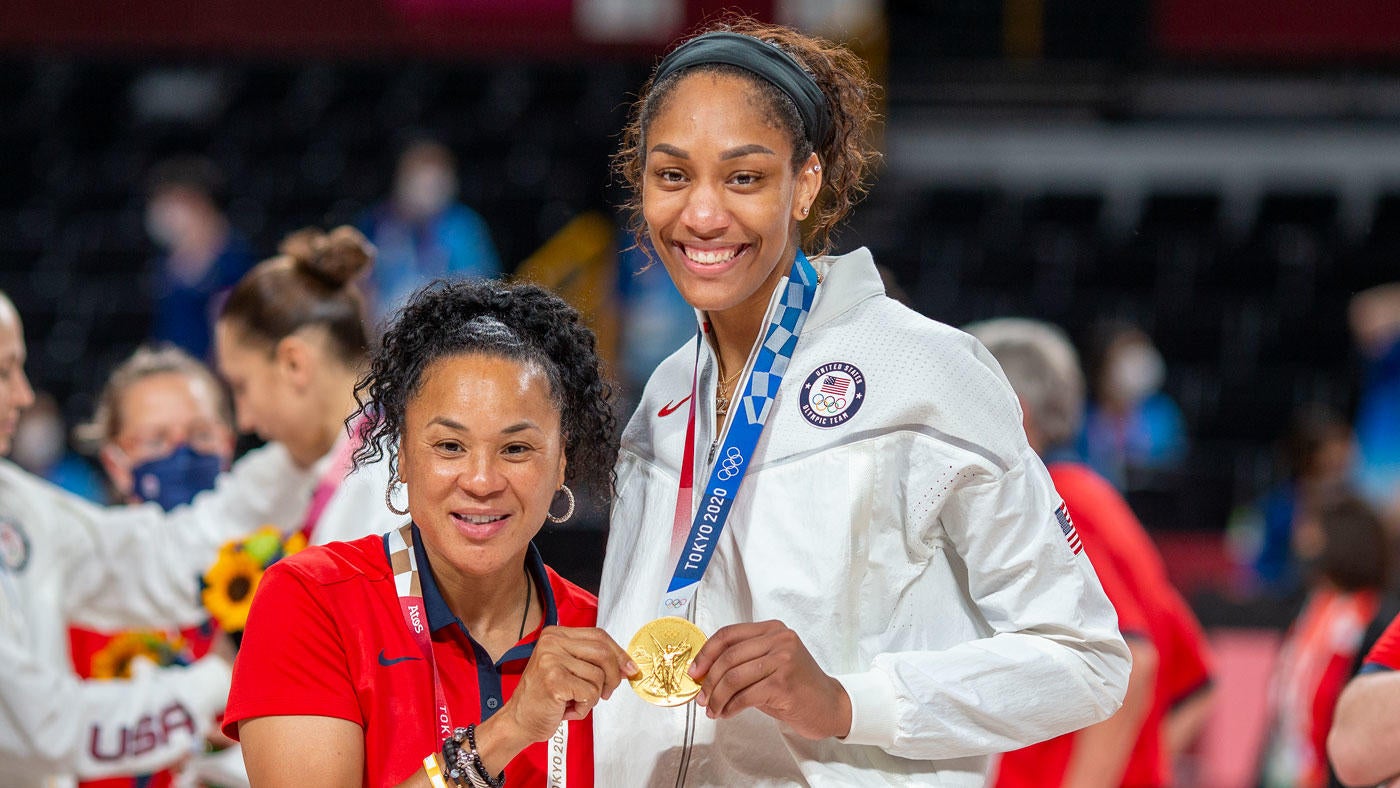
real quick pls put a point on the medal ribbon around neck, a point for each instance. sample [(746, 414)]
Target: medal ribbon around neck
[(694, 547), (404, 563)]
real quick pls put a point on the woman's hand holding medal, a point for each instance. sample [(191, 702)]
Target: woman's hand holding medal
[(571, 669), (765, 666)]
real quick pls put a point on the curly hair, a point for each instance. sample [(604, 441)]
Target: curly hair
[(847, 157), (522, 322)]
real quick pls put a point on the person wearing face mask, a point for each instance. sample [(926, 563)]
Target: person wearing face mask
[(41, 447), (162, 433), (201, 255), (1131, 424), (64, 560), (422, 232)]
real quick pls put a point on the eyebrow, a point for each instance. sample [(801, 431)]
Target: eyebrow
[(453, 424), (732, 153)]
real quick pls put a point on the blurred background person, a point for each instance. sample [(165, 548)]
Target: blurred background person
[(1169, 688), (64, 560), (1318, 455), (1346, 556), (201, 254), (1130, 425), (1364, 741), (423, 232), (292, 341), (1375, 326), (41, 447), (163, 433)]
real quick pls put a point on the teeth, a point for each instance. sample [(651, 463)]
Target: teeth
[(481, 519), (711, 257)]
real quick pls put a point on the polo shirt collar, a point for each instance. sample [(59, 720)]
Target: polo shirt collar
[(440, 615)]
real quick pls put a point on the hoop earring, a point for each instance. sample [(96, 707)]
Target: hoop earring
[(566, 515), (389, 497)]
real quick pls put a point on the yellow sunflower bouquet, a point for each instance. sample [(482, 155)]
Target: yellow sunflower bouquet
[(229, 584), (113, 661)]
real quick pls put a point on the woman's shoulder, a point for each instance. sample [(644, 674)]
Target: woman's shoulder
[(333, 563)]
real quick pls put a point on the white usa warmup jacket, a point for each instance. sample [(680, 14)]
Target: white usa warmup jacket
[(63, 560), (896, 519)]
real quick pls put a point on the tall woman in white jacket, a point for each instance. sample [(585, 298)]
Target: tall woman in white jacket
[(63, 559), (833, 488)]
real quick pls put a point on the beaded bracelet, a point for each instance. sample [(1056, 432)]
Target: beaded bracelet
[(464, 766)]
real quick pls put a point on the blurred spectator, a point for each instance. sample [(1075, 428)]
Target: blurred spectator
[(162, 432), (41, 447), (1168, 690), (1318, 454), (1375, 325), (656, 320), (422, 233), (1130, 424), (1345, 553), (202, 255)]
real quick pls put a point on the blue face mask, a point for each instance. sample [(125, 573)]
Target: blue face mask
[(177, 477)]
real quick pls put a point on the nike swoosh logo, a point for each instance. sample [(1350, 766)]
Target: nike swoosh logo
[(671, 407), (386, 662)]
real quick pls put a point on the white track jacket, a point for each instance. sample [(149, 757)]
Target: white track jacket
[(896, 519), (63, 560)]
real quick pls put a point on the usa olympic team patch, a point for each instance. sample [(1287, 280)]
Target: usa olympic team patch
[(14, 546), (832, 394)]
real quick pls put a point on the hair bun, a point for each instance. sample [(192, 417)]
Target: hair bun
[(336, 258)]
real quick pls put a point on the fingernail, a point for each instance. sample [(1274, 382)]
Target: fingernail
[(631, 668), (701, 698)]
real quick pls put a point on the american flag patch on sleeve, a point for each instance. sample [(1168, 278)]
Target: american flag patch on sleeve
[(1068, 529)]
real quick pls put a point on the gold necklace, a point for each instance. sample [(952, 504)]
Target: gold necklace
[(722, 389)]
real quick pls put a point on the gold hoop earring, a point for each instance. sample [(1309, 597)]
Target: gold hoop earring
[(566, 515), (389, 497)]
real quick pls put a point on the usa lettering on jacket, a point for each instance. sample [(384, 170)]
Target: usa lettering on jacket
[(150, 732)]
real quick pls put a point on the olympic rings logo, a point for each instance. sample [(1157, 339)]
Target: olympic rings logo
[(674, 603), (827, 404), (729, 466)]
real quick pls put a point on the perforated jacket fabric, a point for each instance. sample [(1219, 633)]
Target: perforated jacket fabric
[(911, 542), (63, 560)]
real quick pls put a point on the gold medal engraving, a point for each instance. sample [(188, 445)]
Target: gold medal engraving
[(663, 650)]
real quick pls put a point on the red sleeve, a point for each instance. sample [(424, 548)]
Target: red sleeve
[(292, 660), (1132, 620), (1185, 659), (1385, 655)]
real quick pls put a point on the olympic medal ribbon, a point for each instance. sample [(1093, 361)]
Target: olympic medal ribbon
[(403, 560), (741, 435)]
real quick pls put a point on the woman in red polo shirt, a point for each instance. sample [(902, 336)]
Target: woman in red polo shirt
[(446, 652)]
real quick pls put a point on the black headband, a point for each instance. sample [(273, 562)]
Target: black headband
[(764, 60)]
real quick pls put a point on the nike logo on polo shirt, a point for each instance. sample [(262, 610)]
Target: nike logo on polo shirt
[(671, 407), (386, 662)]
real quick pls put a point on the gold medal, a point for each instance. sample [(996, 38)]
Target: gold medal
[(663, 650)]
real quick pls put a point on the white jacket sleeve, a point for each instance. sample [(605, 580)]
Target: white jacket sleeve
[(138, 566), (52, 722), (1055, 661)]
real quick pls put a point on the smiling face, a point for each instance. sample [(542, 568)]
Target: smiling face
[(15, 392), (482, 454), (720, 196)]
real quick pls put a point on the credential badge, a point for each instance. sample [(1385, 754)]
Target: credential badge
[(14, 546), (832, 394)]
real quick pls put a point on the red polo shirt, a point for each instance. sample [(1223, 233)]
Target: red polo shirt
[(1385, 655), (326, 637)]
